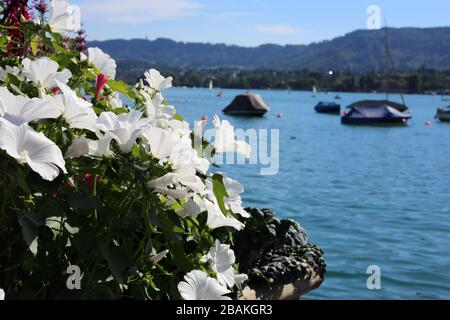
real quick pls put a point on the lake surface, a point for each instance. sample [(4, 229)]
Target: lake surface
[(366, 195)]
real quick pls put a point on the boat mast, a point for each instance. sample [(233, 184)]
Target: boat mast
[(389, 64), (386, 62)]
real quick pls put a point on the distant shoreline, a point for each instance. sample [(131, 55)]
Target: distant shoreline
[(421, 81)]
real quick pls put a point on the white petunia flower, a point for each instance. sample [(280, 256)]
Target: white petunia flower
[(239, 279), (234, 201), (64, 17), (9, 70), (124, 128), (27, 146), (184, 176), (103, 62), (44, 72), (183, 154), (161, 142), (156, 81), (216, 218), (221, 259), (77, 112), (155, 110), (198, 286), (225, 139), (82, 146), (191, 207), (21, 109), (115, 101)]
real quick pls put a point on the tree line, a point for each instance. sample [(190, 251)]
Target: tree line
[(420, 81)]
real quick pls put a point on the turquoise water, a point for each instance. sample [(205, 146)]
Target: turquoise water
[(366, 195)]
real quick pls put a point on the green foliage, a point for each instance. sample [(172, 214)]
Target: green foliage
[(100, 216)]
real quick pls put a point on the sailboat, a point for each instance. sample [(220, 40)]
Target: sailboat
[(314, 91), (211, 85), (371, 112)]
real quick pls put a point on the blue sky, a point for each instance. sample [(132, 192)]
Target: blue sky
[(250, 22)]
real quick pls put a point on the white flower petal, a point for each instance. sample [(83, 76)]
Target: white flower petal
[(103, 62), (20, 109), (76, 111), (86, 147), (160, 141), (124, 128), (64, 17), (225, 139), (198, 286), (216, 219), (27, 146), (10, 70), (156, 81), (221, 259), (234, 201), (43, 72), (115, 101)]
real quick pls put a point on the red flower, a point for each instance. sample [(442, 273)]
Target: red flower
[(56, 90), (88, 179), (100, 83), (41, 6), (14, 13)]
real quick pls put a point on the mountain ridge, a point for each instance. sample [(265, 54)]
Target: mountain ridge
[(356, 51)]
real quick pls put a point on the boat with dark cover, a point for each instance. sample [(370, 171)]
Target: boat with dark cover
[(328, 107), (374, 112), (443, 114), (247, 105)]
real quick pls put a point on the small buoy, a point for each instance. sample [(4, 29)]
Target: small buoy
[(280, 115), (427, 123)]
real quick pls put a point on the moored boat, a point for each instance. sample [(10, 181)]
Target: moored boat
[(443, 114), (247, 105), (376, 112), (328, 107)]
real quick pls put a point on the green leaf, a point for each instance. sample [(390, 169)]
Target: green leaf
[(135, 151), (119, 263), (83, 201), (30, 223), (34, 46), (178, 117), (21, 181), (57, 47), (177, 229), (83, 242), (220, 191), (120, 86)]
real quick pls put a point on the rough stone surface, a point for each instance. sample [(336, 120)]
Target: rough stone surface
[(277, 257)]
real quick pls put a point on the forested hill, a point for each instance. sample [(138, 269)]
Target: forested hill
[(358, 51)]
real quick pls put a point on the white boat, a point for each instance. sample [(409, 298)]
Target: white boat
[(211, 85), (314, 91)]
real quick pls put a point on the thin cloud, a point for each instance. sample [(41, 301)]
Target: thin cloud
[(139, 11), (278, 29), (235, 14)]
